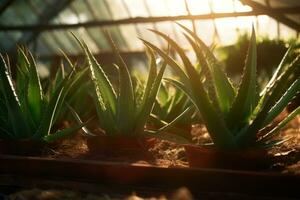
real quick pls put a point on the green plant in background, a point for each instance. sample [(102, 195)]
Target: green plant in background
[(122, 109), (26, 112), (234, 55), (234, 116)]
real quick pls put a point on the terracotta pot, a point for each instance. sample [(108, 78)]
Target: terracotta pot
[(209, 157), (25, 147), (113, 144)]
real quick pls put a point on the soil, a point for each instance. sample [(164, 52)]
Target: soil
[(163, 154), (286, 157)]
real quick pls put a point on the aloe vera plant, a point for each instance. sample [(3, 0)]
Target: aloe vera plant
[(27, 112), (233, 116), (170, 103), (121, 110), (78, 93)]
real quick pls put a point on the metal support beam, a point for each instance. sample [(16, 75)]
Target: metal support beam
[(43, 27), (277, 14)]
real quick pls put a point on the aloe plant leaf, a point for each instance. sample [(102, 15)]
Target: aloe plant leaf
[(67, 132), (48, 116), (70, 89), (181, 86), (166, 136), (126, 102), (79, 121), (214, 122), (5, 134), (126, 98), (53, 107), (170, 61), (272, 95), (284, 122), (279, 87), (101, 81), (283, 101), (277, 72), (22, 82), (245, 101), (223, 87), (163, 93), (174, 121), (35, 92), (148, 106), (15, 116), (272, 143), (171, 129), (151, 75), (59, 76), (22, 79), (68, 60)]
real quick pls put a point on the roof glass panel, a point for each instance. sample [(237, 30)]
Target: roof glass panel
[(177, 8), (88, 39), (148, 35), (67, 17), (18, 13), (42, 48), (136, 8), (15, 35), (100, 9), (223, 30), (6, 43), (25, 12), (286, 33), (8, 15), (80, 9), (198, 7), (50, 40), (244, 24), (117, 8), (225, 25), (66, 41), (267, 26), (157, 7), (130, 35), (205, 30), (98, 35), (222, 6), (117, 36), (41, 5)]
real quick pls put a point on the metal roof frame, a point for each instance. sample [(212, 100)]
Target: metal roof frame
[(32, 31)]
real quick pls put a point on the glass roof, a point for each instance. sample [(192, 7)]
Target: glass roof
[(220, 31)]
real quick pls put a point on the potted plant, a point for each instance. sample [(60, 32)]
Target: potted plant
[(234, 117), (27, 114), (123, 113), (170, 103)]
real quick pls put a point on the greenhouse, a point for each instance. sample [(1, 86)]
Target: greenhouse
[(149, 99)]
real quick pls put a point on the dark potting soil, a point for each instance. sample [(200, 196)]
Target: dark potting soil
[(285, 157)]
